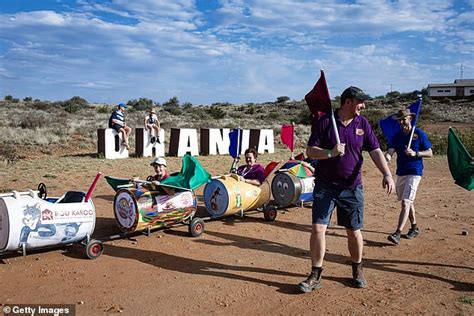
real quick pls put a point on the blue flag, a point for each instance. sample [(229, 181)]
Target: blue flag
[(235, 146), (391, 126)]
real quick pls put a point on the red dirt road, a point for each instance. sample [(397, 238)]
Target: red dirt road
[(247, 266)]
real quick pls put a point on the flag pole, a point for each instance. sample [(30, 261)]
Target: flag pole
[(238, 142), (333, 119), (292, 139), (414, 125)]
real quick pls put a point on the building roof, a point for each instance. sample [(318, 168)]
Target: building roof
[(457, 83)]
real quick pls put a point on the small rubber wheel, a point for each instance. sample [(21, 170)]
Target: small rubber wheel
[(270, 213), (43, 191), (196, 227), (94, 249)]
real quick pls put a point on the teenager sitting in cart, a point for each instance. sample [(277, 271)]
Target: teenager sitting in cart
[(252, 172)]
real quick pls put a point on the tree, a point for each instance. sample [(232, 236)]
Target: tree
[(28, 99), (8, 98), (392, 95), (172, 102), (74, 104), (282, 99)]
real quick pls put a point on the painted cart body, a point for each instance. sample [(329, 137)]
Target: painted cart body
[(29, 222), (288, 189), (227, 195), (147, 207)]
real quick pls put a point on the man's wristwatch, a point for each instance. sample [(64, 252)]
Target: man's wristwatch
[(417, 155), (329, 152)]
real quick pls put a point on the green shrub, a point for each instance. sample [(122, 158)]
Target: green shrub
[(275, 116), (304, 117), (173, 110), (282, 99), (40, 105), (187, 105), (34, 121), (216, 112), (250, 109), (103, 109), (9, 154), (72, 108)]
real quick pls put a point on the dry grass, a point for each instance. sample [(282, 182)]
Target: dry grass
[(45, 125)]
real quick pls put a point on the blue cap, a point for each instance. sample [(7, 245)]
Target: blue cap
[(122, 105)]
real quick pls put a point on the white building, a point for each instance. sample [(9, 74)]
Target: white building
[(460, 88)]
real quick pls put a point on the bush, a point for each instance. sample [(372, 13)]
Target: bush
[(72, 108), (303, 117), (140, 105), (9, 154), (283, 99), (250, 109), (103, 109), (172, 102), (173, 110), (274, 116), (187, 105), (216, 112), (74, 104), (40, 105), (34, 121)]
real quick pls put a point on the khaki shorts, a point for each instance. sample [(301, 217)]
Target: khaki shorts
[(407, 187)]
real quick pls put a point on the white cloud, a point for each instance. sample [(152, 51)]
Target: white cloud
[(245, 51)]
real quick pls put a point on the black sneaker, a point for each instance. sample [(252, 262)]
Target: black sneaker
[(395, 238), (152, 140), (158, 140), (412, 233), (313, 282)]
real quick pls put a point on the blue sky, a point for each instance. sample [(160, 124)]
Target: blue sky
[(234, 51)]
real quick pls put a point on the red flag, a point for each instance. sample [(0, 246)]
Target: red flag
[(287, 135), (318, 99), (300, 156)]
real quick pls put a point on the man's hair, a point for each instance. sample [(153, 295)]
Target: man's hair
[(353, 93), (251, 151)]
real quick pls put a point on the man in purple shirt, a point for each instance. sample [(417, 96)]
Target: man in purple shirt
[(339, 183)]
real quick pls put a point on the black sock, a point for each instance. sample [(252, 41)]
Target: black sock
[(413, 226), (316, 269)]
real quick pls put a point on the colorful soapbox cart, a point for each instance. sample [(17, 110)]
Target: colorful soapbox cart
[(293, 184), (143, 205), (227, 195), (31, 220)]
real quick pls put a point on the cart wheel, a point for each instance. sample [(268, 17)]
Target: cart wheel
[(43, 191), (196, 227), (270, 213), (94, 249)]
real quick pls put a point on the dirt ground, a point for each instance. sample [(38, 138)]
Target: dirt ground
[(247, 266)]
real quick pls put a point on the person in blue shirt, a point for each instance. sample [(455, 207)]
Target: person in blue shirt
[(117, 122), (409, 170)]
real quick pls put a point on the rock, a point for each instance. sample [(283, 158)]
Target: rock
[(80, 303), (464, 232)]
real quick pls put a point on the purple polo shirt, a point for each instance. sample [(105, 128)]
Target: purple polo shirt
[(256, 172), (343, 172)]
